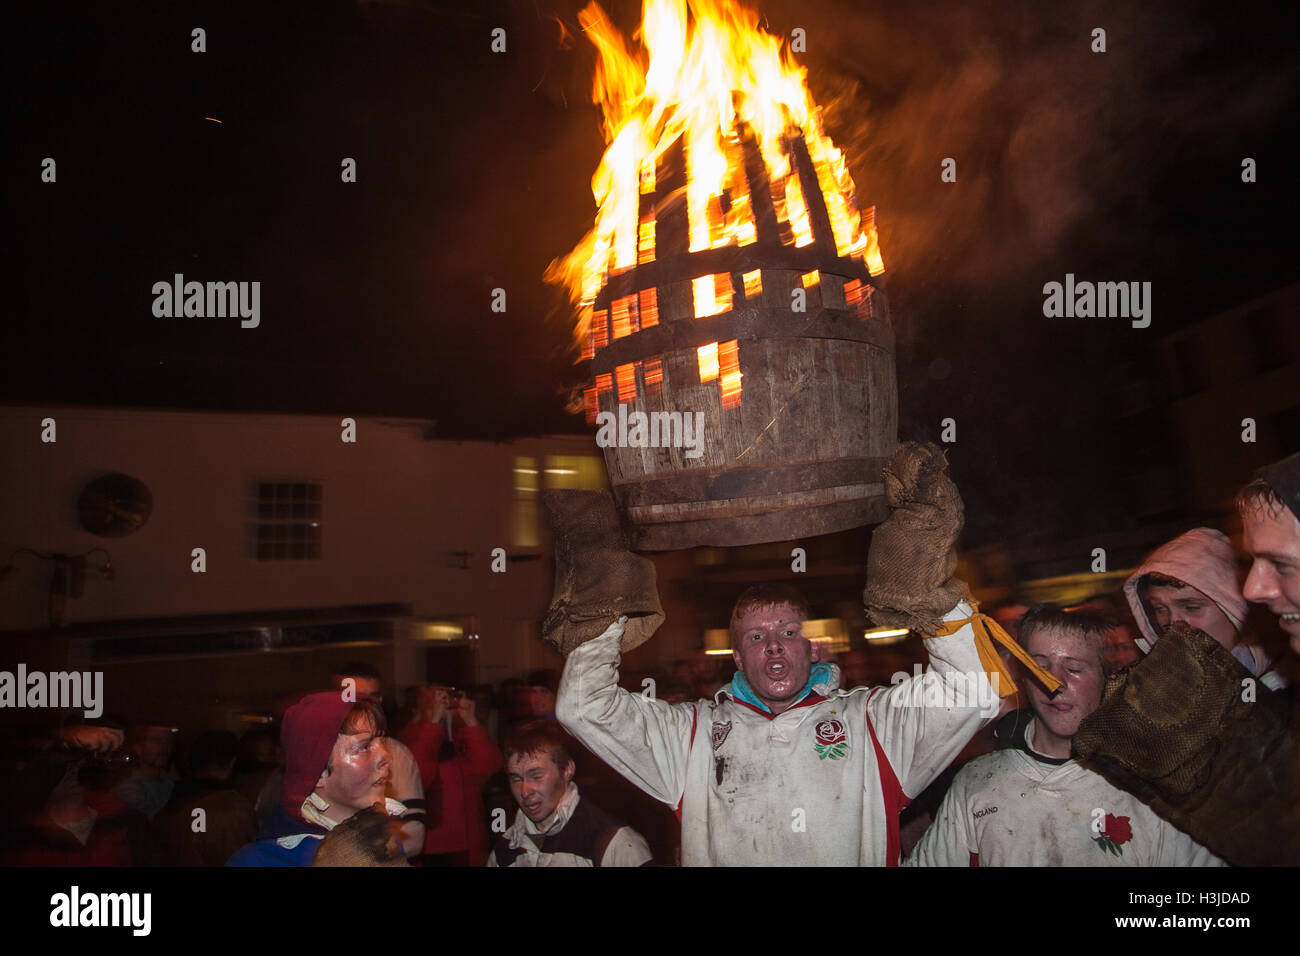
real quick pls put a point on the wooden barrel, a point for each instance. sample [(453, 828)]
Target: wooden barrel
[(784, 421)]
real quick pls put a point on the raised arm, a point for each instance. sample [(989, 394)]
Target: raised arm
[(923, 723), (645, 740), (606, 602)]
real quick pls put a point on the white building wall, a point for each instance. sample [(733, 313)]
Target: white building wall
[(395, 506)]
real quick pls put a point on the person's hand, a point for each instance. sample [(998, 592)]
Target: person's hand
[(404, 771), (434, 702), (97, 739), (913, 555), (465, 710), (597, 579)]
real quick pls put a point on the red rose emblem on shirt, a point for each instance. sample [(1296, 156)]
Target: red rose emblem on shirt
[(832, 739), (1118, 829), (1115, 832), (830, 732)]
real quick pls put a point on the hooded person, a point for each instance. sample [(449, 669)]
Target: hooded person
[(1193, 579), (1192, 733), (335, 766)]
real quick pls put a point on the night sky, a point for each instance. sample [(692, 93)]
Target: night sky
[(474, 169)]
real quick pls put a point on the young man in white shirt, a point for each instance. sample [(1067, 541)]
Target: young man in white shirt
[(1030, 804)]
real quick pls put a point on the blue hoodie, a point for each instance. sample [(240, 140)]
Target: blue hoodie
[(284, 842)]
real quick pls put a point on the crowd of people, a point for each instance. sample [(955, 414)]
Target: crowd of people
[(1115, 733), (147, 793)]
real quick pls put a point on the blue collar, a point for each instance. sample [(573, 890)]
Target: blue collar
[(821, 673)]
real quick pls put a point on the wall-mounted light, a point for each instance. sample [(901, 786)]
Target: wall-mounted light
[(68, 579), (885, 635), (717, 641)]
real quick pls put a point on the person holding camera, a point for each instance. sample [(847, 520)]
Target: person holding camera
[(456, 755)]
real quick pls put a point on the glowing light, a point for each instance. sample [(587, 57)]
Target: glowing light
[(729, 373), (626, 382), (712, 294), (708, 359), (649, 308)]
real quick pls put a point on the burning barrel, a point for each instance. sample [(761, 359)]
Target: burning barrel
[(741, 352)]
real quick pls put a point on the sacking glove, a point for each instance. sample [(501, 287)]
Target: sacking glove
[(597, 579)]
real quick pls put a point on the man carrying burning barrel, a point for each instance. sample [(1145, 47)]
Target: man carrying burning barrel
[(782, 767)]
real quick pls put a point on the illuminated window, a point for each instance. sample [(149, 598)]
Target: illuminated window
[(753, 284), (581, 472), (525, 533)]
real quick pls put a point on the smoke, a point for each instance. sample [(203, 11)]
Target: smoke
[(1053, 143), (1047, 135)]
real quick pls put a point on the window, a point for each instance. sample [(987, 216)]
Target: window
[(581, 472), (288, 525), (584, 472)]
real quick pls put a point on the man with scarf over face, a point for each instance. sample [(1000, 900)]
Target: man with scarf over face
[(781, 766)]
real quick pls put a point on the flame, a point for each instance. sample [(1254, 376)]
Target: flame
[(729, 373), (708, 360), (704, 73)]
